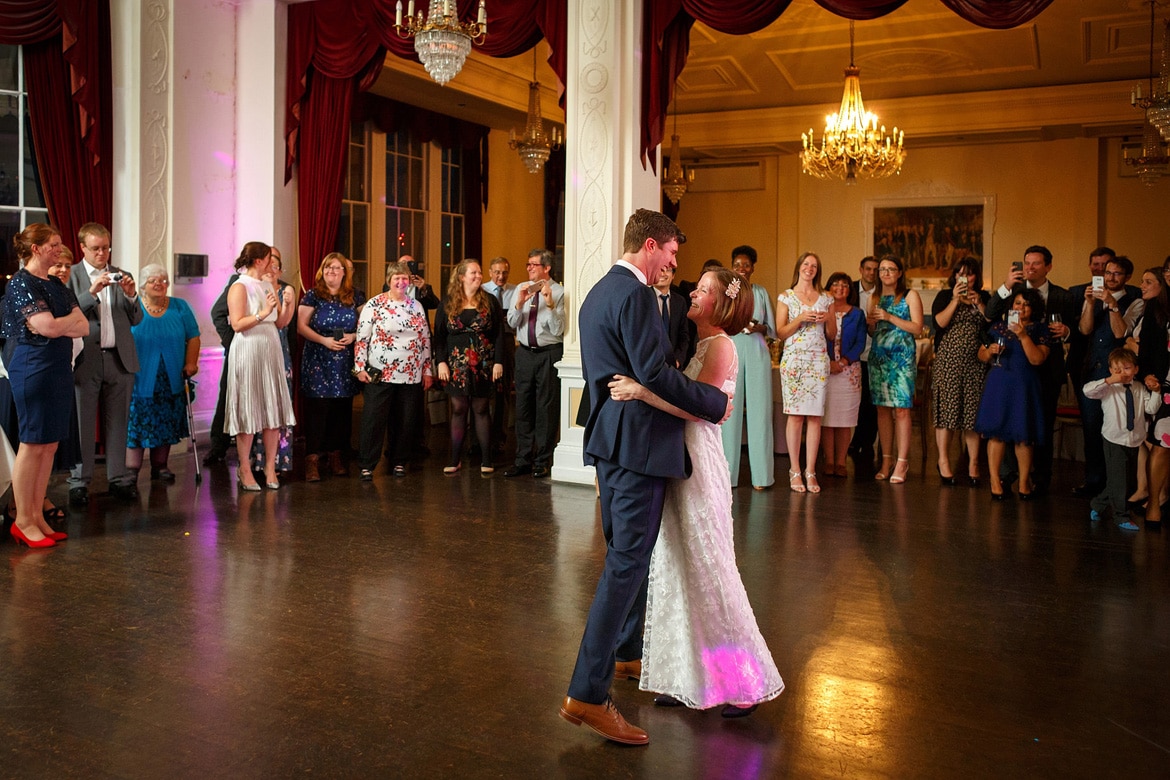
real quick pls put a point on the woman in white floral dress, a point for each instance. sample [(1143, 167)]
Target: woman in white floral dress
[(804, 367), (701, 645)]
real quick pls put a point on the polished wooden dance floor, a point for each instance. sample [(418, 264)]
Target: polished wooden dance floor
[(426, 627)]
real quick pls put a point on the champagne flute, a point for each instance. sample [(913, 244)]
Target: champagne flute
[(1002, 342)]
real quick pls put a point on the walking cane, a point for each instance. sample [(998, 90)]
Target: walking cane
[(188, 391)]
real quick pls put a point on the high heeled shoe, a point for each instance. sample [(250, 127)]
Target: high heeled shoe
[(882, 473), (19, 536), (253, 488), (810, 479), (896, 478), (794, 483), (951, 481)]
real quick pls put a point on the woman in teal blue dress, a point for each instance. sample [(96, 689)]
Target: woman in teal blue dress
[(895, 318), (753, 384), (167, 341)]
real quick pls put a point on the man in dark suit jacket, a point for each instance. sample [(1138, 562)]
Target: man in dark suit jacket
[(105, 375), (635, 449), (673, 307), (1033, 273), (866, 431)]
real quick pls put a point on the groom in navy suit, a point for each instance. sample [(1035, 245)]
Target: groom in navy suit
[(635, 449)]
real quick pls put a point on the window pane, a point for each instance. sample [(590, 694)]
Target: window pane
[(9, 227), (343, 230), (360, 232), (417, 190), (9, 152), (357, 173), (33, 197), (401, 181), (8, 67), (457, 238), (361, 276)]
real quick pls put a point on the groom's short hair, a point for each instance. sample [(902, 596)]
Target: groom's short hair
[(645, 224)]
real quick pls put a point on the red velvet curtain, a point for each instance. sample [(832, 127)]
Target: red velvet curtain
[(667, 26), (68, 78)]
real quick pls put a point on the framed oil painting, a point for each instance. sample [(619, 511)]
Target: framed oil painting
[(930, 234)]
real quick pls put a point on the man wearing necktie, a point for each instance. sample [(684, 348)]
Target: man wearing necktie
[(1125, 405), (538, 317), (505, 295), (673, 308)]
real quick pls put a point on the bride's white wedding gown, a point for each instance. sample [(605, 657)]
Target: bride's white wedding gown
[(701, 643)]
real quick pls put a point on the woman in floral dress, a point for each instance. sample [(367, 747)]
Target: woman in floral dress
[(957, 376), (804, 367), (468, 336)]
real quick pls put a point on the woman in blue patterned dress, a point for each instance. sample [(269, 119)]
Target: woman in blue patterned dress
[(804, 367), (42, 316), (393, 360), (1011, 410), (469, 331), (895, 318), (327, 321), (167, 341)]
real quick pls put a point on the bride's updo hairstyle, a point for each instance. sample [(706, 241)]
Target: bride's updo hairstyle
[(252, 251), (734, 302)]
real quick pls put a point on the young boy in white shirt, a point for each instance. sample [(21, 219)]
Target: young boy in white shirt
[(1126, 405)]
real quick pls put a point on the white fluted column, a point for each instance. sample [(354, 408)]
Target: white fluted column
[(605, 180)]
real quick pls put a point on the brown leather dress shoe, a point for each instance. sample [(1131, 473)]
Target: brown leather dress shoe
[(627, 670), (604, 719)]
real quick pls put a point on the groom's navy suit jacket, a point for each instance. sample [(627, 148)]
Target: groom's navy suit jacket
[(622, 333)]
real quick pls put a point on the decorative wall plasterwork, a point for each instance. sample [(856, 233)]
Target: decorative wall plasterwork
[(594, 132), (155, 111)]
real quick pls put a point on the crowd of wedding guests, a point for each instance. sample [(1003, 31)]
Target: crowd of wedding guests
[(852, 354)]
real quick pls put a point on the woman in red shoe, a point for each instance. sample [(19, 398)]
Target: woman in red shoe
[(42, 316)]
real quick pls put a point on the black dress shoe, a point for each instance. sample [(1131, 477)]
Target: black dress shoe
[(666, 700), (79, 496), (518, 470), (214, 457), (540, 472), (1086, 491), (948, 481), (124, 492), (732, 711), (162, 475)]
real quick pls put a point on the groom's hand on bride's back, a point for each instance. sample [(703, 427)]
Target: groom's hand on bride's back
[(727, 412)]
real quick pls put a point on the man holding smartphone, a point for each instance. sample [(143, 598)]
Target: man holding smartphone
[(1062, 308), (1105, 309)]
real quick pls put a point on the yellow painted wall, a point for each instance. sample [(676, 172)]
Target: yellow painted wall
[(513, 223), (1065, 194)]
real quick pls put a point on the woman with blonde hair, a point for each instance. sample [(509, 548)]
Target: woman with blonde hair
[(467, 344), (327, 320)]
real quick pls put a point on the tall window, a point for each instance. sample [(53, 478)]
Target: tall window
[(395, 174), (21, 199), (353, 232)]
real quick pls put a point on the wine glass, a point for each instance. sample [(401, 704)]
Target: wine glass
[(1002, 342), (1055, 318)]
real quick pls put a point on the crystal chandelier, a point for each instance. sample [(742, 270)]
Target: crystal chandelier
[(674, 184), (853, 146), (535, 145), (1151, 165), (441, 41)]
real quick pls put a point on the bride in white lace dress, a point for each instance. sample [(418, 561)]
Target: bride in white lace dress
[(701, 645)]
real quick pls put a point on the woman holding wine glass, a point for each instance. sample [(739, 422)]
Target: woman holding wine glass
[(1012, 410)]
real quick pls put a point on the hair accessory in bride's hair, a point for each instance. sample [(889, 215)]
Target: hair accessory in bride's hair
[(732, 290)]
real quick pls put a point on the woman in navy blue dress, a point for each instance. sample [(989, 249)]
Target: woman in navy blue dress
[(327, 321), (42, 316), (1011, 411)]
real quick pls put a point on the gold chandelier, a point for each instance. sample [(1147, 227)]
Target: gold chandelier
[(535, 145), (441, 41), (853, 146), (1152, 164), (676, 178)]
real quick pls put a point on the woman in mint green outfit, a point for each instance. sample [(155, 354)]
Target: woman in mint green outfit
[(753, 384)]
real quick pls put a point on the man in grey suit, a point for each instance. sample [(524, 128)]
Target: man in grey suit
[(105, 374)]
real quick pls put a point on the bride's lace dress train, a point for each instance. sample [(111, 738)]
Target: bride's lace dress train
[(701, 643)]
